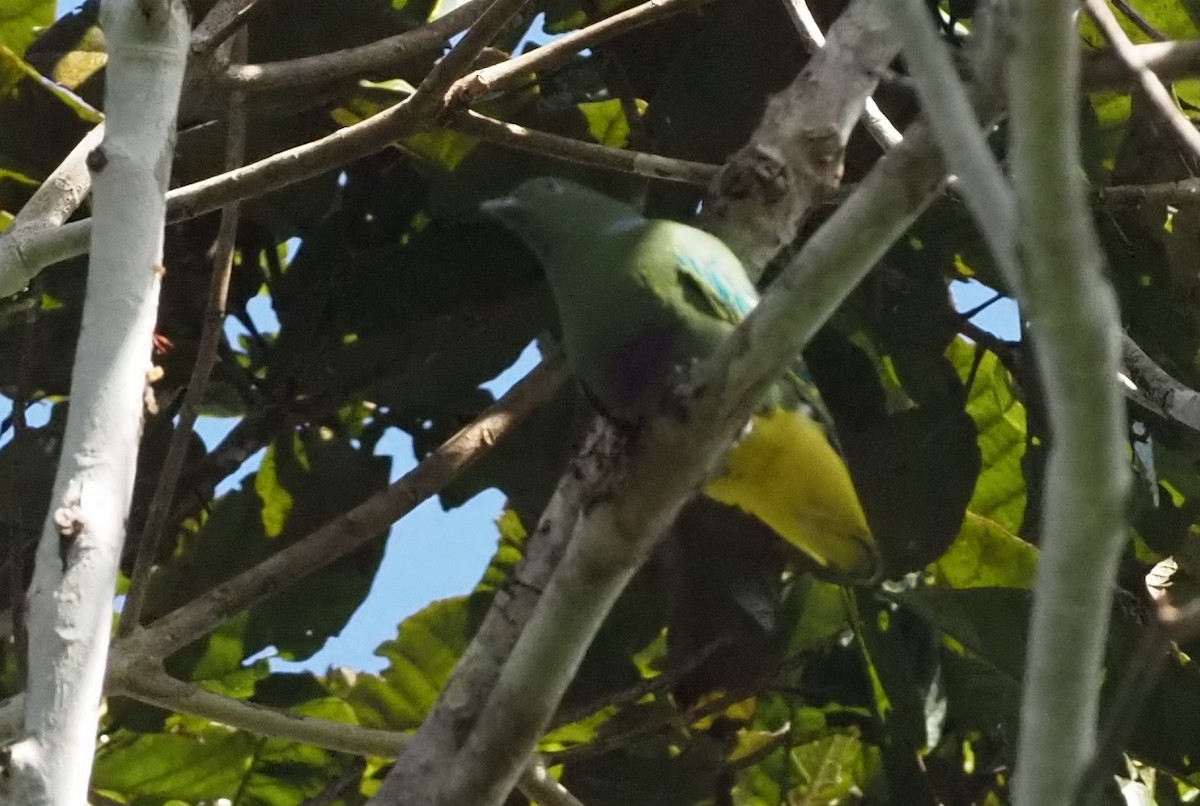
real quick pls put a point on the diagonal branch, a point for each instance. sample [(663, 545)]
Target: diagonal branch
[(1087, 473), (373, 58), (551, 145), (1184, 129), (224, 19), (1170, 61), (351, 530), (512, 71), (793, 162), (881, 129)]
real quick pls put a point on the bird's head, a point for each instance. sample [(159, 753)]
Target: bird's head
[(551, 214)]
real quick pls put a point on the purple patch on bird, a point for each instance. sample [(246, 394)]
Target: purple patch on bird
[(641, 364)]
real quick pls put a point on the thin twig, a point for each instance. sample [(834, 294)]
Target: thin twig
[(1150, 84), (1180, 192), (20, 545), (351, 530), (639, 690), (1139, 22), (1170, 61), (206, 358), (433, 94), (564, 148), (146, 682), (1149, 385), (365, 60), (608, 742), (221, 22), (503, 75), (142, 679)]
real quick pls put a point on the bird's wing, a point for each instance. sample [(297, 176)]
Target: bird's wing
[(712, 278)]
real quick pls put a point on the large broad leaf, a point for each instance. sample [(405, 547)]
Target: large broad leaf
[(899, 458), (807, 755), (305, 481), (376, 301), (20, 21), (209, 764), (421, 659), (988, 551), (200, 761)]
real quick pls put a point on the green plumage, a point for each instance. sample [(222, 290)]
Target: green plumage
[(638, 298)]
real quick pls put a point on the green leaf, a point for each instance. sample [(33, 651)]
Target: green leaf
[(20, 21), (421, 658), (323, 477), (607, 123), (206, 766)]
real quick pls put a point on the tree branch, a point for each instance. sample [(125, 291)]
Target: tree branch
[(224, 19), (1147, 384), (1184, 129), (373, 58), (564, 148), (351, 530), (78, 557), (1179, 192), (512, 71), (794, 160), (64, 190), (1170, 61), (145, 681), (881, 129), (25, 254), (1087, 473)]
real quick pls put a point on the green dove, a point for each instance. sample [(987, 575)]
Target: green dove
[(638, 297)]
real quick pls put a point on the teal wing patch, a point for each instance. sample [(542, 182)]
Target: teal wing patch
[(705, 277)]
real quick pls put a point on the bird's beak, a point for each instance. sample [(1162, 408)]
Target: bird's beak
[(502, 208)]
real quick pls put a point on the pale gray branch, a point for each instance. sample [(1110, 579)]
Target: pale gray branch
[(1149, 385), (1170, 61), (794, 160), (882, 130), (78, 556), (1072, 312), (1127, 52)]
